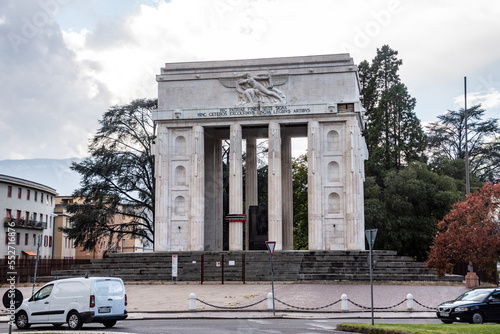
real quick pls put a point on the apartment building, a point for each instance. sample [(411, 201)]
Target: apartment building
[(28, 217)]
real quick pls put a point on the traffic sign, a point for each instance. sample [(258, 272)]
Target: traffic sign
[(270, 246), (370, 237)]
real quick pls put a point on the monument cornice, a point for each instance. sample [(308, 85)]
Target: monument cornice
[(207, 70)]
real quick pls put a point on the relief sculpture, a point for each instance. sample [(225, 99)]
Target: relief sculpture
[(256, 89)]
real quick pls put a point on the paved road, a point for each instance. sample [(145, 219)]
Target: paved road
[(216, 326)]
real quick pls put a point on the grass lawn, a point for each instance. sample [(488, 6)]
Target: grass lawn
[(424, 329)]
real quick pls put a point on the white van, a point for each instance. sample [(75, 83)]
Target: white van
[(75, 301)]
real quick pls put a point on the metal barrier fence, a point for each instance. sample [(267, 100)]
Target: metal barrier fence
[(25, 268)]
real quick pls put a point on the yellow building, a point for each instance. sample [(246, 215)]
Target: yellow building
[(64, 247)]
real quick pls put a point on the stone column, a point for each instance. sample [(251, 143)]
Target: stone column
[(197, 213), (235, 187), (354, 222), (287, 192), (219, 190), (275, 218), (314, 197), (162, 217), (251, 192)]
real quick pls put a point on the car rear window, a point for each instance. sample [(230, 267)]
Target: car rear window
[(109, 288)]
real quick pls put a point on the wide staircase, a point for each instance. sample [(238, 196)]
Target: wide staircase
[(254, 266)]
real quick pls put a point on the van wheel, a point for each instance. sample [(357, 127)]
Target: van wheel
[(109, 323), (74, 320), (22, 320)]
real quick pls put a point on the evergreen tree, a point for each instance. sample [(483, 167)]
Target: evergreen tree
[(447, 139), (407, 206), (393, 133), (117, 179)]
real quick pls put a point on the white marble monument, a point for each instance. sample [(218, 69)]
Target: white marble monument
[(202, 103)]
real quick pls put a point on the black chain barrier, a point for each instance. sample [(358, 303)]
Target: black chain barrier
[(307, 308), (431, 308), (310, 308), (375, 308), (231, 307)]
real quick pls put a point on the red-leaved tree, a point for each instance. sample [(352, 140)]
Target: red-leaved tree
[(469, 233)]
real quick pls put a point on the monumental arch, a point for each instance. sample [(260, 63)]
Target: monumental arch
[(200, 104)]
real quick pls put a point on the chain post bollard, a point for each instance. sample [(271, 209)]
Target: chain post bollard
[(344, 305), (409, 302), (270, 300), (192, 301)]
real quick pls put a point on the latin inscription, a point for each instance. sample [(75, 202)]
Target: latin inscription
[(253, 111)]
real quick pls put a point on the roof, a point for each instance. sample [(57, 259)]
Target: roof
[(26, 183)]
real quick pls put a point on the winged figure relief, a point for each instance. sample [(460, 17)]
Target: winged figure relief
[(257, 88)]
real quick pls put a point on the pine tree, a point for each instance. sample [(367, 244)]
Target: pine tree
[(393, 133), (447, 139)]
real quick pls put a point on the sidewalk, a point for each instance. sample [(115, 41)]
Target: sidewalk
[(167, 300)]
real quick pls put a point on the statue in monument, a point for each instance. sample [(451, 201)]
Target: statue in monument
[(257, 88)]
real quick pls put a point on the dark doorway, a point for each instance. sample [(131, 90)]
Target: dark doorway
[(258, 227)]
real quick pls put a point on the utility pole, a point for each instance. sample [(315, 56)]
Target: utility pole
[(467, 184)]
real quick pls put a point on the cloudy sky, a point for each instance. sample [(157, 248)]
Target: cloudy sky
[(64, 62)]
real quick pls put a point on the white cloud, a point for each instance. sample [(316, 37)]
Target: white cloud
[(488, 100), (56, 85)]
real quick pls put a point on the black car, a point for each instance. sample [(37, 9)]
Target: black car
[(475, 306)]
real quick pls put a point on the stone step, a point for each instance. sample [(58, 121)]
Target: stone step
[(288, 266)]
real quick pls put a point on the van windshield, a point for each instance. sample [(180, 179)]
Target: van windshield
[(109, 288)]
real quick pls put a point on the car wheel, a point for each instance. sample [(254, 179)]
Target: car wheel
[(22, 320), (447, 322), (477, 318), (74, 320), (109, 323)]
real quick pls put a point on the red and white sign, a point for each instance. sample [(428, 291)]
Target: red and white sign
[(270, 246)]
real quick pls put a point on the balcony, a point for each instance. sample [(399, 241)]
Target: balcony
[(31, 224)]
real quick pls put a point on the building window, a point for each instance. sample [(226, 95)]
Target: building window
[(19, 192), (34, 216), (26, 237), (9, 191), (36, 196), (8, 213), (6, 238), (28, 193), (34, 239), (18, 216), (50, 241), (45, 241), (27, 216), (41, 198), (18, 238)]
